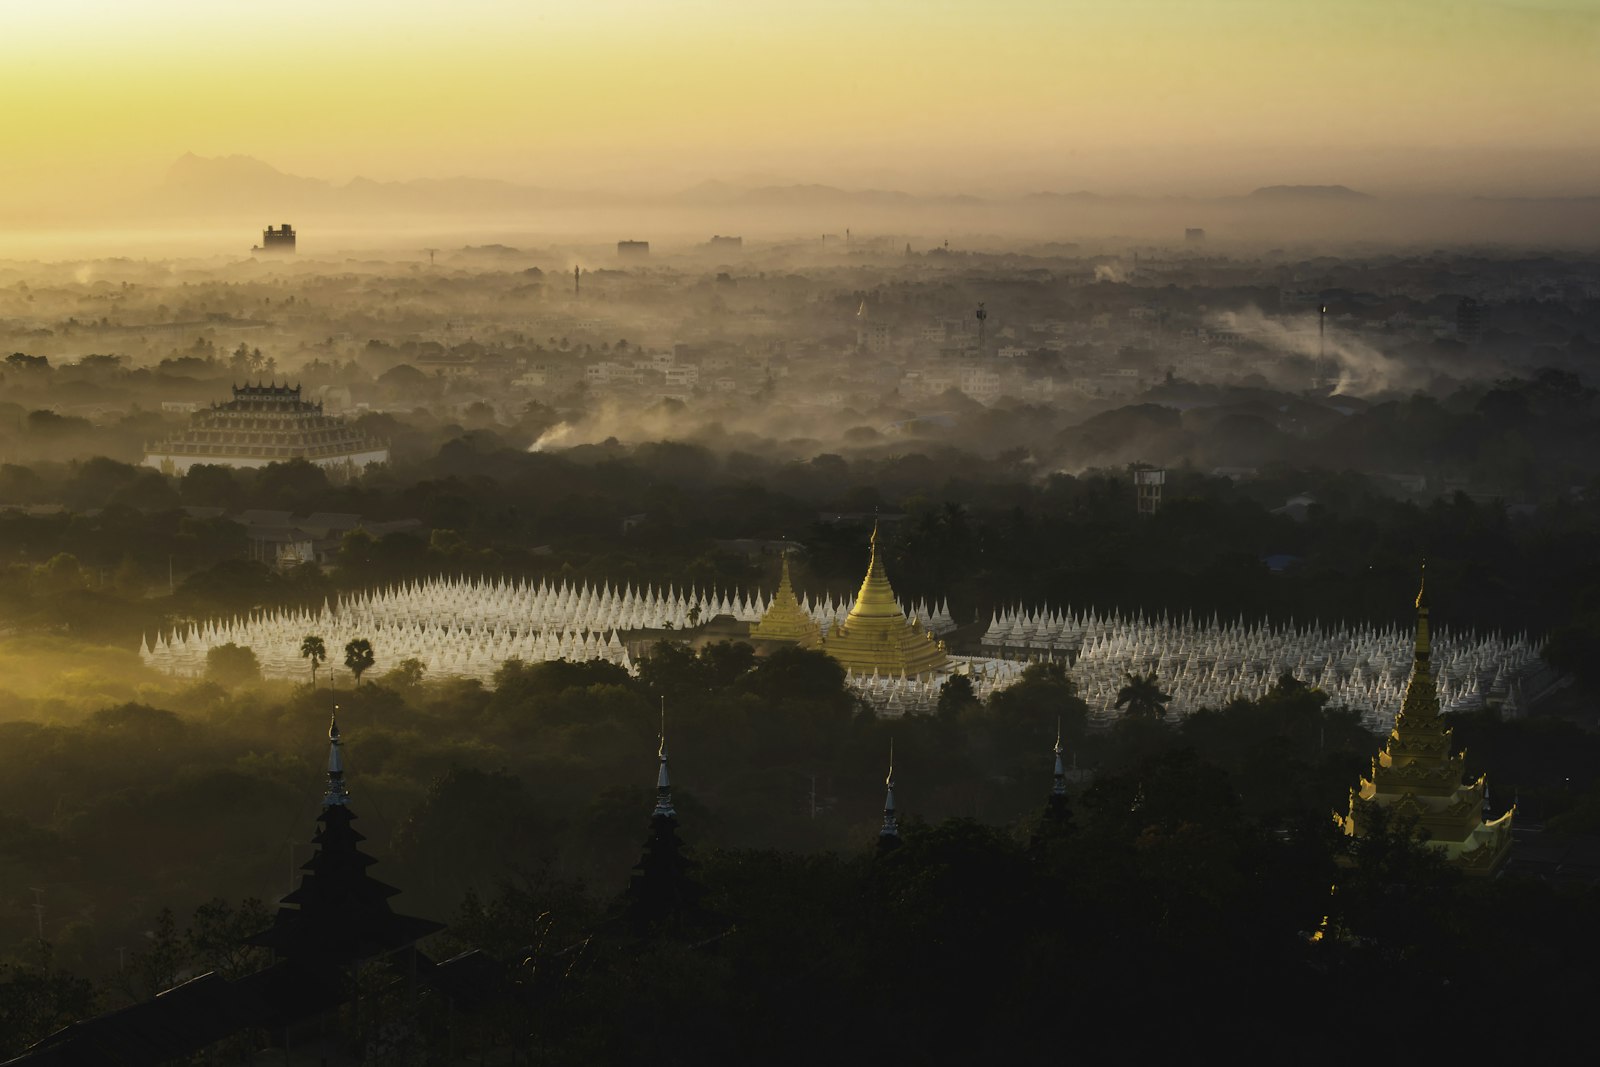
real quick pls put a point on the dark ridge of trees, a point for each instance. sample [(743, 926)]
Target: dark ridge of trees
[(1205, 850)]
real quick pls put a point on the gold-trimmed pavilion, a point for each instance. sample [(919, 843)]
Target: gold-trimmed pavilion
[(1419, 778)]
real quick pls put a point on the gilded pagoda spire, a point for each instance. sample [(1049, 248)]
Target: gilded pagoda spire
[(876, 637), (785, 619), (875, 599), (1419, 775), (1424, 645), (1422, 694)]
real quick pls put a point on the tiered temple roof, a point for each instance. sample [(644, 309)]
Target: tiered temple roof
[(340, 913), (264, 424), (786, 620), (1419, 777), (876, 637)]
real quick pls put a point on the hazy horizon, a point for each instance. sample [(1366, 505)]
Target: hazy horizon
[(1153, 98)]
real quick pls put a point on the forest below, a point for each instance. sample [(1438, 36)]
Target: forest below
[(154, 831)]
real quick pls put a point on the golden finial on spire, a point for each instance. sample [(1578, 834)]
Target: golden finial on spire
[(1424, 644)]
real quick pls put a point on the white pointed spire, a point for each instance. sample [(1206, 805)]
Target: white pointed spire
[(336, 794)]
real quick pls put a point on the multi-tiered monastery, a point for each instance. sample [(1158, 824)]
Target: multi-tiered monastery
[(1418, 776), (265, 424)]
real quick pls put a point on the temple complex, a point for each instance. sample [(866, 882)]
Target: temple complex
[(468, 627), (1418, 776), (265, 424), (876, 637), (786, 620)]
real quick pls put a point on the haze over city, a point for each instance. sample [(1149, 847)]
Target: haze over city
[(920, 532)]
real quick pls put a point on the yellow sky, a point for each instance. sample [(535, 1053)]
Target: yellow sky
[(927, 93)]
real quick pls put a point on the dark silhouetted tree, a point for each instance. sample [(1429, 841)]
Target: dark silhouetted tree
[(232, 664), (313, 649), (1142, 696), (358, 657)]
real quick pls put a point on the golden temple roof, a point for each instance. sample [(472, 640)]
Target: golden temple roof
[(785, 619), (1419, 774), (876, 636), (875, 599)]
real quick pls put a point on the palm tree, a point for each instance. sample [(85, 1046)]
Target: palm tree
[(358, 657), (314, 650), (1143, 695)]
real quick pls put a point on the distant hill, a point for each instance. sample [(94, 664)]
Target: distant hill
[(792, 195), (237, 182), (198, 183), (240, 188), (1308, 192)]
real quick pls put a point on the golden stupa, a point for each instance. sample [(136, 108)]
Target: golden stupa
[(1417, 776), (876, 637), (786, 620)]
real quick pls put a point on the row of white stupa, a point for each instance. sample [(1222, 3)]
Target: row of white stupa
[(1207, 664), (468, 628)]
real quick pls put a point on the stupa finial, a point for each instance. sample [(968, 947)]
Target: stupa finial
[(1424, 646), (337, 794), (891, 822), (664, 808)]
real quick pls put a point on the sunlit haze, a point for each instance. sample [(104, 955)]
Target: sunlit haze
[(1098, 499), (1012, 95)]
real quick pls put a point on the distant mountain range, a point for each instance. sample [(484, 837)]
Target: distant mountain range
[(242, 182), (239, 190)]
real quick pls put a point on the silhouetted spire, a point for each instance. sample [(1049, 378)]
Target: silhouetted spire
[(663, 780), (1057, 816), (889, 836), (337, 793), (339, 913), (661, 888), (1059, 787)]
